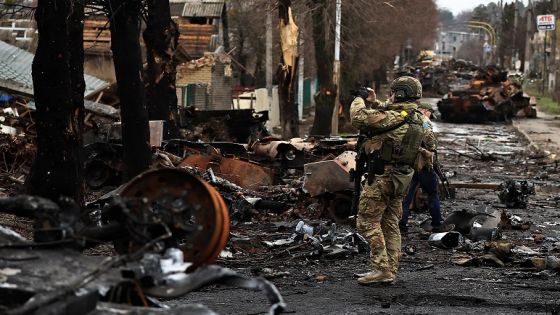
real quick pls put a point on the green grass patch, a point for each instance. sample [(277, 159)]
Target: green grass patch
[(546, 104), (544, 101)]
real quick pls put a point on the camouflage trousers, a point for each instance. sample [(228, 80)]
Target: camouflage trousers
[(379, 212)]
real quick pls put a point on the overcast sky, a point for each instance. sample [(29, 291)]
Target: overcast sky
[(458, 6)]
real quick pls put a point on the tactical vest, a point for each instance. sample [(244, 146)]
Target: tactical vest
[(396, 149), (410, 144)]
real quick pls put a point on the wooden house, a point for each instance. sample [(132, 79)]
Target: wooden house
[(202, 25)]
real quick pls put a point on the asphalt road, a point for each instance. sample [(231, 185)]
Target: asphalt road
[(428, 281)]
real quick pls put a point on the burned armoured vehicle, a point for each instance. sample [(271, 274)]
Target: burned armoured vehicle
[(485, 96)]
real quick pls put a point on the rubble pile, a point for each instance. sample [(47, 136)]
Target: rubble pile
[(294, 240), (17, 153), (208, 131), (515, 194), (16, 145), (16, 119), (239, 126), (479, 239), (150, 267)]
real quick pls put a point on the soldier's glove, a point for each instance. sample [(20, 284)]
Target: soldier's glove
[(362, 92)]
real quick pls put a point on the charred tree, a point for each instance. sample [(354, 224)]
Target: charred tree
[(161, 37), (287, 70), (125, 45), (58, 83), (78, 86), (324, 52)]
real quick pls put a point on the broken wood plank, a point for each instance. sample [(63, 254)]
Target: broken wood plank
[(490, 186)]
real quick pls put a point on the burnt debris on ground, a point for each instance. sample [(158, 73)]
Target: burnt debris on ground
[(279, 211)]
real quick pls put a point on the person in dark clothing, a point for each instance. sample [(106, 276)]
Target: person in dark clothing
[(426, 178)]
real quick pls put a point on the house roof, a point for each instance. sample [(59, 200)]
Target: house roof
[(176, 7), (197, 8), (17, 10), (204, 8), (94, 10), (15, 71)]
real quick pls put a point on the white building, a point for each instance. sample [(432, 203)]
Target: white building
[(449, 42)]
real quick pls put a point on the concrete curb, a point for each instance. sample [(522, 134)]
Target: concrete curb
[(519, 129)]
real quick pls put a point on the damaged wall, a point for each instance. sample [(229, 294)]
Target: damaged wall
[(212, 70)]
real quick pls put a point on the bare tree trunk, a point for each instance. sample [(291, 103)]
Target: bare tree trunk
[(76, 34), (287, 71), (58, 84), (125, 35), (161, 37), (325, 97)]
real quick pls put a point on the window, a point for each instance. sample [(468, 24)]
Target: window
[(198, 20)]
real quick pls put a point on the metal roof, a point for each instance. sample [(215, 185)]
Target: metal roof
[(94, 10), (17, 10), (204, 8), (15, 71), (176, 8)]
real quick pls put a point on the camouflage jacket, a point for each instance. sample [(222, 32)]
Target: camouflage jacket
[(375, 120)]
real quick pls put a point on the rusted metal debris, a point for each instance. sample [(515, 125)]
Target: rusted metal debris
[(193, 210), (244, 173), (329, 176), (164, 222), (291, 154), (268, 160)]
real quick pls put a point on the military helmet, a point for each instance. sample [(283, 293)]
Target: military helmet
[(406, 87)]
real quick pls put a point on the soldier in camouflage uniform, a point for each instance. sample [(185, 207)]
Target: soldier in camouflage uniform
[(394, 138), (425, 177)]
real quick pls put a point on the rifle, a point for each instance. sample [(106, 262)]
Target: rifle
[(357, 173), (442, 177)]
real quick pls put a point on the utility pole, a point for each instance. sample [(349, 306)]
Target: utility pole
[(529, 17), (553, 52), (500, 30), (544, 72), (300, 78), (514, 46), (336, 69)]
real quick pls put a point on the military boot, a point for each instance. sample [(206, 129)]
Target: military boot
[(377, 277)]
